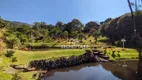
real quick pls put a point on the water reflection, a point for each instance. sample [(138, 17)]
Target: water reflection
[(124, 73), (96, 71), (140, 64)]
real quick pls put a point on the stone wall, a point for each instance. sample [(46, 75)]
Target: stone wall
[(92, 56)]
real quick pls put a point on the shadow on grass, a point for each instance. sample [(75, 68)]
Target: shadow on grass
[(139, 72), (103, 40)]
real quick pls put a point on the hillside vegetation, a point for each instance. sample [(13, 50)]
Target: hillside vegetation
[(123, 27)]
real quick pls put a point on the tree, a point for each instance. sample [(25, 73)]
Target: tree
[(44, 32), (2, 23), (65, 34), (11, 40), (137, 5), (90, 27), (24, 29), (60, 25), (54, 32), (36, 25), (80, 36), (122, 27), (39, 25), (43, 25), (137, 12), (74, 25), (74, 33), (22, 37), (96, 35)]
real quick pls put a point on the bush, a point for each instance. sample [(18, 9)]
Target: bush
[(2, 47), (9, 53), (14, 59), (118, 55), (37, 46), (11, 40), (113, 55), (16, 76), (88, 51)]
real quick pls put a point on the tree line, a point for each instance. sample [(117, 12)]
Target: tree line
[(17, 33)]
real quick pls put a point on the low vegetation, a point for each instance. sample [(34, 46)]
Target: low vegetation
[(9, 53)]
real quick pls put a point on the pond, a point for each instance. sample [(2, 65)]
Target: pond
[(124, 70)]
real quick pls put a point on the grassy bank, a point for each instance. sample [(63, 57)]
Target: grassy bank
[(120, 53), (24, 57)]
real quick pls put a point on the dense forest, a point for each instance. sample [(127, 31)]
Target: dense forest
[(123, 27), (20, 35)]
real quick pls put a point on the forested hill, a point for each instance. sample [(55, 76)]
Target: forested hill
[(123, 27), (17, 23), (19, 34)]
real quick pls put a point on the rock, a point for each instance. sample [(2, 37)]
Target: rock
[(29, 69), (94, 56), (97, 58), (13, 65), (96, 53), (105, 57), (94, 50), (19, 67)]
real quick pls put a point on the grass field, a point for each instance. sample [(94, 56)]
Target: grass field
[(126, 53), (24, 57)]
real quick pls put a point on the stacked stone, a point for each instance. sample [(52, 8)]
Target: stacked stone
[(94, 56)]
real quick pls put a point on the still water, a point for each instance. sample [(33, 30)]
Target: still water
[(127, 70)]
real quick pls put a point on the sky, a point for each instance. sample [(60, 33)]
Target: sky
[(51, 11)]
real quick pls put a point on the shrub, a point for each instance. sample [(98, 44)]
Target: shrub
[(118, 43), (14, 59), (39, 45), (118, 55), (105, 51), (9, 53), (11, 40), (2, 47), (16, 76), (80, 36), (88, 51), (113, 55)]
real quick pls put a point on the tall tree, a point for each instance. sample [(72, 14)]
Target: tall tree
[(2, 23), (74, 25), (80, 36), (136, 5), (60, 25), (96, 35), (90, 27), (41, 25), (65, 34)]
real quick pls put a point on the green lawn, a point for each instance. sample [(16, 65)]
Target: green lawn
[(126, 53), (4, 76), (24, 57)]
